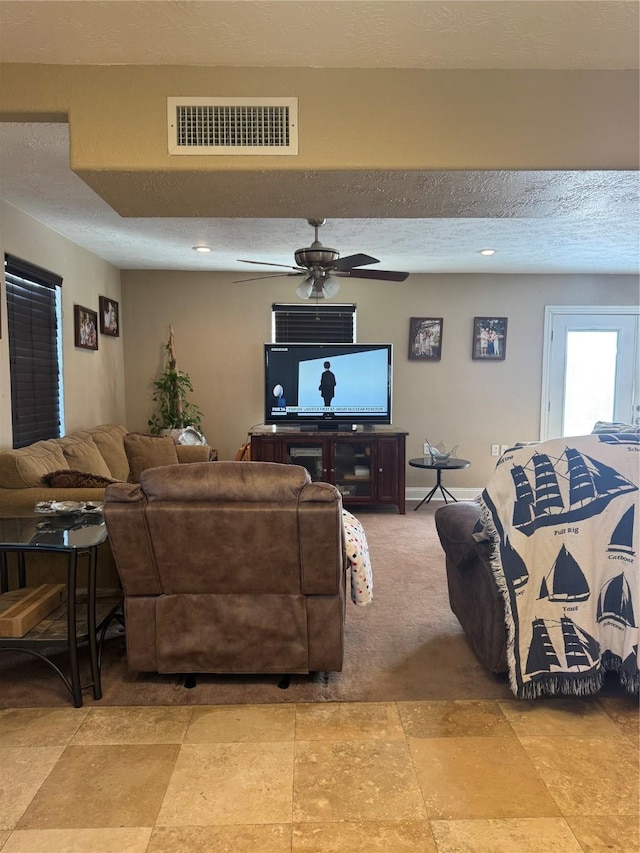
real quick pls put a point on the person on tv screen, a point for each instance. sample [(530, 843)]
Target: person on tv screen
[(327, 385)]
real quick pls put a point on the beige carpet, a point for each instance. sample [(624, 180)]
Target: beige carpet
[(406, 645)]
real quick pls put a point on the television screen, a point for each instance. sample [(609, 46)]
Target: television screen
[(331, 385)]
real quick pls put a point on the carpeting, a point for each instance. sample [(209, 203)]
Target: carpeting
[(406, 645)]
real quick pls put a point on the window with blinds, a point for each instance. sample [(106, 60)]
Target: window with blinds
[(33, 317), (315, 324)]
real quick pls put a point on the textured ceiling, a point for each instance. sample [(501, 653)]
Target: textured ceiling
[(549, 222)]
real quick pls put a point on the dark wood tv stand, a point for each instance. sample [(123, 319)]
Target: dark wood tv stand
[(367, 464)]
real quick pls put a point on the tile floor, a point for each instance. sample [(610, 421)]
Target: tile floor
[(401, 777)]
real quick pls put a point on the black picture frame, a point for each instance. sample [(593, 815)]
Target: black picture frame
[(85, 325), (109, 311), (489, 338), (425, 338)]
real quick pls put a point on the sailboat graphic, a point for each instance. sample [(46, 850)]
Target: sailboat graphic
[(614, 602), (580, 649), (565, 581), (572, 488), (622, 537), (542, 655), (513, 566)]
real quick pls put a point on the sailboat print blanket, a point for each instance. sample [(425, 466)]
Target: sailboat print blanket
[(563, 519)]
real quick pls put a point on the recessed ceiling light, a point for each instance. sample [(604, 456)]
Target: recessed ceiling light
[(487, 252), (203, 249)]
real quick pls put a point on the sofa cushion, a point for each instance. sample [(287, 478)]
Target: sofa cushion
[(83, 455), (70, 479), (25, 468), (148, 451), (109, 439)]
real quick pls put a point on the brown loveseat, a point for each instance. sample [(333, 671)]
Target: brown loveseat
[(230, 567)]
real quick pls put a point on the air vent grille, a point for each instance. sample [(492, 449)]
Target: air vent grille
[(233, 126)]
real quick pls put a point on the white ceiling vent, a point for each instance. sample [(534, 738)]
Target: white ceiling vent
[(233, 126)]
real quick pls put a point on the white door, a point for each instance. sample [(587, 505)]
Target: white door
[(591, 368)]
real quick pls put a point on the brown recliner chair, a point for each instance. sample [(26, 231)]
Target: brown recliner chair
[(473, 594), (230, 567)]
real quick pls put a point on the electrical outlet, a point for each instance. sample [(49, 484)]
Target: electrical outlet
[(425, 448), (504, 448), (495, 450)]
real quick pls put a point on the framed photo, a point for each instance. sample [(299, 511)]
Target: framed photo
[(425, 338), (489, 338), (109, 316), (85, 323)]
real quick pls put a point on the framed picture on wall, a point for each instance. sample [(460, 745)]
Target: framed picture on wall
[(489, 338), (85, 324), (425, 338), (109, 316)]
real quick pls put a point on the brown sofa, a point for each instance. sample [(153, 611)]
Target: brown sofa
[(103, 453), (230, 567), (473, 594)]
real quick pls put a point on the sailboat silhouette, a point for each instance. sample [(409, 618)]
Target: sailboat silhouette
[(622, 537), (542, 654), (579, 647), (572, 488), (565, 581), (513, 566), (614, 602)]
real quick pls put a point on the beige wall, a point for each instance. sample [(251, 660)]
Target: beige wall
[(93, 381), (220, 328)]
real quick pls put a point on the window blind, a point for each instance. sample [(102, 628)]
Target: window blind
[(32, 317), (326, 324)]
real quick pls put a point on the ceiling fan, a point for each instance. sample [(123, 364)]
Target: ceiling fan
[(321, 266)]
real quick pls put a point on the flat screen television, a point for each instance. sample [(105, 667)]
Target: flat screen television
[(330, 386)]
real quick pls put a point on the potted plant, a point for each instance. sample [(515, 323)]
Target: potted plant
[(170, 394)]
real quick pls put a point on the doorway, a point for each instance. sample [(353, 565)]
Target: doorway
[(591, 368)]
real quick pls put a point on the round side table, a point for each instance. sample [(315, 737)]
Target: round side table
[(446, 465)]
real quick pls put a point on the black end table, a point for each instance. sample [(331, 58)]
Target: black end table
[(73, 535), (445, 465)]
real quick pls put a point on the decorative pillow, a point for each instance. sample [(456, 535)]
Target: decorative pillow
[(85, 456), (70, 479), (148, 451), (606, 426)]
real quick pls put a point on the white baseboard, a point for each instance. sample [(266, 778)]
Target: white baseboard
[(414, 493)]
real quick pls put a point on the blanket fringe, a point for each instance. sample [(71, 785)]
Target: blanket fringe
[(496, 567)]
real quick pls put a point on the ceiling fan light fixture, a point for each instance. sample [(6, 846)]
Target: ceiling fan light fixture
[(305, 289), (330, 287)]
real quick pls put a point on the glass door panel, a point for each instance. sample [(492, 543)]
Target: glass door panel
[(309, 455), (590, 382), (352, 463)]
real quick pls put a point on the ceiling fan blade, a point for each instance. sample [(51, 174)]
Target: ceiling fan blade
[(267, 264), (268, 275), (381, 275), (354, 261)]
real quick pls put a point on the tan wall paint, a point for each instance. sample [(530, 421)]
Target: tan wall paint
[(93, 381), (220, 328), (391, 121), (385, 118)]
